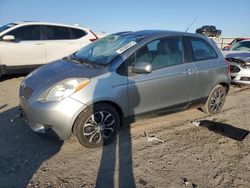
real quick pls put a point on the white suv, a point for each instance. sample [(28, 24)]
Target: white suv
[(27, 45)]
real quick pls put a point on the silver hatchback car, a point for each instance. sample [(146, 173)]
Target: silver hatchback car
[(124, 76)]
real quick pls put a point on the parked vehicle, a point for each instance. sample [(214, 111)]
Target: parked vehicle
[(227, 47), (243, 46), (124, 76), (209, 30), (27, 45), (240, 67)]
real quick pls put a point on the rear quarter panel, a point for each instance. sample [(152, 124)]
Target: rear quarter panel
[(209, 73)]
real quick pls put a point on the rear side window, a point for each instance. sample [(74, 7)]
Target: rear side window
[(57, 33), (77, 33), (31, 32), (201, 50)]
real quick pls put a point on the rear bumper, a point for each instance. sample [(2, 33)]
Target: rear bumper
[(53, 118)]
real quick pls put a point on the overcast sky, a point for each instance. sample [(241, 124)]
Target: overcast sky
[(231, 16)]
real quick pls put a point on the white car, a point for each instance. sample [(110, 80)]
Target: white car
[(27, 45), (239, 58), (240, 67)]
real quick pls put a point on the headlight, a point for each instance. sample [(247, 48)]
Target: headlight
[(64, 89)]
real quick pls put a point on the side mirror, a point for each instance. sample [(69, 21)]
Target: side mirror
[(8, 38), (142, 68)]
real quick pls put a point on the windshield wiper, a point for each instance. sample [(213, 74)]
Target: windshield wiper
[(77, 59), (88, 63), (71, 59), (83, 61)]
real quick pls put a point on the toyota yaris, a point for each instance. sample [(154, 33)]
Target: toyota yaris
[(123, 77)]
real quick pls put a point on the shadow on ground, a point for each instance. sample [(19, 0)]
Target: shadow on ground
[(225, 129), (107, 173), (7, 77), (22, 151)]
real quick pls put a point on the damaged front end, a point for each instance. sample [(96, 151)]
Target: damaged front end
[(239, 61), (239, 71)]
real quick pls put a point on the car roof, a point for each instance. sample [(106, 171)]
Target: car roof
[(152, 33), (48, 23), (240, 38), (245, 40)]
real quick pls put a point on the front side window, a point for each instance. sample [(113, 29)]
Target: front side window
[(57, 33), (26, 33), (160, 53), (201, 49), (212, 28)]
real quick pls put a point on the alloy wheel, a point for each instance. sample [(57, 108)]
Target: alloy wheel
[(99, 127), (217, 100)]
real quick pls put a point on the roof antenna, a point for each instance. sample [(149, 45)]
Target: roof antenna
[(191, 24)]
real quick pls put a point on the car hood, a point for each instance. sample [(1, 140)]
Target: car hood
[(59, 70), (244, 56)]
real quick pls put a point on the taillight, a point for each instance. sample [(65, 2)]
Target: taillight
[(93, 39), (228, 65)]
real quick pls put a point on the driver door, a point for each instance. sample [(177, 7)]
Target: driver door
[(169, 85)]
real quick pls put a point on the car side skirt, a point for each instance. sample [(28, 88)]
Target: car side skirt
[(168, 110)]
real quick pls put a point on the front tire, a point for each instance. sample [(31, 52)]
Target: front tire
[(97, 125), (215, 100)]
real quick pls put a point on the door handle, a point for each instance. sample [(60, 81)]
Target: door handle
[(71, 43), (189, 71), (40, 43)]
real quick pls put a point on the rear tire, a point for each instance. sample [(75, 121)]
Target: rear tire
[(215, 100), (97, 125)]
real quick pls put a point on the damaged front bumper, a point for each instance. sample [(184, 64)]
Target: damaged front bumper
[(240, 73)]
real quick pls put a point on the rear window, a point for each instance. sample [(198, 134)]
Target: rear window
[(201, 50), (57, 33), (77, 33)]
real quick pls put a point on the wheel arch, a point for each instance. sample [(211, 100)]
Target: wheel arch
[(113, 104), (225, 85)]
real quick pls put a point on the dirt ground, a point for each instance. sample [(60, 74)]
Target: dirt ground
[(211, 155)]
